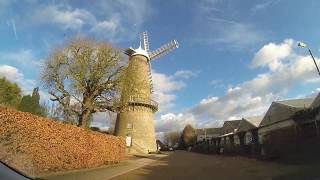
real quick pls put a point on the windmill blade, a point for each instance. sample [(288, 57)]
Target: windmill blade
[(144, 41), (150, 78), (164, 49)]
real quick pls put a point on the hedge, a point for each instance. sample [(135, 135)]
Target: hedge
[(36, 145)]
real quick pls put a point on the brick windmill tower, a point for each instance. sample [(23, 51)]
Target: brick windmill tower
[(135, 119)]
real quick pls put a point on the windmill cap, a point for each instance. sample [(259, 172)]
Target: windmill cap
[(142, 52)]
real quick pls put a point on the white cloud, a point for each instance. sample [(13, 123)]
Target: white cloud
[(10, 72), (214, 82), (165, 87), (65, 16), (116, 20), (105, 26), (222, 30), (128, 17), (14, 75), (173, 122), (166, 83), (185, 74), (24, 57), (104, 120), (165, 100), (235, 35), (208, 100), (14, 28), (284, 69), (263, 5), (272, 55), (16, 64), (133, 12)]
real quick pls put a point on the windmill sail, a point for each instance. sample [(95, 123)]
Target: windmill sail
[(164, 49), (144, 41), (144, 50), (150, 77)]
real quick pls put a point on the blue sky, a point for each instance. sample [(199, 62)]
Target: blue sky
[(235, 57)]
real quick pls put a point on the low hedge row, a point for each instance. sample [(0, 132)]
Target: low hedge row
[(36, 145)]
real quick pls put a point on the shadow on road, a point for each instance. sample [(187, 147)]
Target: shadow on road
[(188, 165)]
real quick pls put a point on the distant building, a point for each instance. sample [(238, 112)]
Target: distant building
[(207, 133), (228, 130), (307, 120), (279, 115), (247, 128), (230, 126), (285, 124)]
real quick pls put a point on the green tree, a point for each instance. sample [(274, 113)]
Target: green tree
[(31, 104), (10, 93), (82, 77), (26, 104)]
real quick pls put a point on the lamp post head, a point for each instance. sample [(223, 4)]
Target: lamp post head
[(302, 44)]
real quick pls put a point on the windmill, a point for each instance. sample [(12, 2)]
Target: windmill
[(145, 51), (135, 117)]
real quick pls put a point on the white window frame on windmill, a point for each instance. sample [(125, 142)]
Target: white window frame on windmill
[(128, 141), (130, 126)]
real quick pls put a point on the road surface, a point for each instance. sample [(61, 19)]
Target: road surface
[(187, 165)]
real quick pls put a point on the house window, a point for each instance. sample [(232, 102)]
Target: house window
[(236, 140), (222, 141), (227, 140), (248, 138)]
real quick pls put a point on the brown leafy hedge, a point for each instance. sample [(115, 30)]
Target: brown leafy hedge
[(36, 145)]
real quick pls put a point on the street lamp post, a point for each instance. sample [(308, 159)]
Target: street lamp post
[(303, 45)]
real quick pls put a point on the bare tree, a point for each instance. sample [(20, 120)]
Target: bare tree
[(84, 77), (171, 138)]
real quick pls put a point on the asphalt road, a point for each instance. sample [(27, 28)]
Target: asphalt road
[(187, 165)]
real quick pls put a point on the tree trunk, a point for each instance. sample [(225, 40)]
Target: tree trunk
[(84, 119)]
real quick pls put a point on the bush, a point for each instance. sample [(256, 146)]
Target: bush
[(47, 146), (10, 93)]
